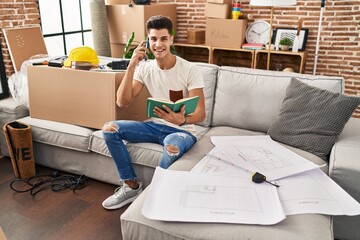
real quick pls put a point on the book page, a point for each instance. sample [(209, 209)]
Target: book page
[(163, 100), (185, 99)]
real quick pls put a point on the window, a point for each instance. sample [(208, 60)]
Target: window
[(66, 24)]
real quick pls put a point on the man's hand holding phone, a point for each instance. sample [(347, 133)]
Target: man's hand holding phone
[(140, 53)]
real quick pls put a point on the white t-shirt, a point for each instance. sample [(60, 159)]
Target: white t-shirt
[(184, 76)]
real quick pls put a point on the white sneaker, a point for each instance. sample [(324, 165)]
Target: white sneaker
[(122, 196)]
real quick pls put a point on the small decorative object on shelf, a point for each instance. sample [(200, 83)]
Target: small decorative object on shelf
[(236, 10), (272, 46), (253, 46), (296, 43), (285, 43), (291, 33), (288, 69), (278, 66), (258, 32)]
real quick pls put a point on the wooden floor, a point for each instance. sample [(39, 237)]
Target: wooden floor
[(56, 215)]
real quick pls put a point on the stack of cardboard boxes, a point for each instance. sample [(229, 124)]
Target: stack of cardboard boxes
[(221, 30), (217, 9)]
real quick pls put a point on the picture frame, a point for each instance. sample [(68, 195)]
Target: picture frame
[(291, 33)]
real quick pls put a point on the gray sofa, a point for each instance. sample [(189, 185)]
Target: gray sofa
[(239, 101)]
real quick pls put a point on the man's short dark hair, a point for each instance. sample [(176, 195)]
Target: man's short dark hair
[(159, 22)]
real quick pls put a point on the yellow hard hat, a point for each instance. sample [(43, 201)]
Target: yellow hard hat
[(82, 54)]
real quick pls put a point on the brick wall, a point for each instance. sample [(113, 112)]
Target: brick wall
[(339, 52)]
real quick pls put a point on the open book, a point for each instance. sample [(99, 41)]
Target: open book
[(190, 105)]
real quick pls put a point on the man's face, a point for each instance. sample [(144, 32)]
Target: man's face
[(160, 42)]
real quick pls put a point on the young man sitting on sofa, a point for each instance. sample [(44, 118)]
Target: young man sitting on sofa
[(171, 129)]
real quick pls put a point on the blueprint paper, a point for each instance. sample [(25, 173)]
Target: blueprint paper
[(195, 197), (309, 192), (262, 154), (315, 192), (215, 162)]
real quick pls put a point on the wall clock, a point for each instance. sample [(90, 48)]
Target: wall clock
[(258, 32)]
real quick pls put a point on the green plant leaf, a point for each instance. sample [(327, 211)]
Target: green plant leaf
[(129, 53), (286, 41), (126, 49)]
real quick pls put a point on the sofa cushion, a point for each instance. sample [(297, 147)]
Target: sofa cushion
[(10, 110), (251, 98), (311, 118), (204, 145), (146, 154), (59, 134), (209, 72)]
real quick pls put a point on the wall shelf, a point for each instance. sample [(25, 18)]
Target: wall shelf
[(238, 57), (287, 59), (194, 53), (233, 57)]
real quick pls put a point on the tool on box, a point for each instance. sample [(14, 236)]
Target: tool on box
[(40, 63), (119, 64), (56, 62)]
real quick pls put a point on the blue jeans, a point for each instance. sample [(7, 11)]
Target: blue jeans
[(136, 132)]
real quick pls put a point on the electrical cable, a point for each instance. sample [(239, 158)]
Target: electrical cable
[(56, 182)]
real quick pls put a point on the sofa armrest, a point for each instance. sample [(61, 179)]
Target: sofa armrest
[(344, 165), (10, 110), (344, 158), (344, 169)]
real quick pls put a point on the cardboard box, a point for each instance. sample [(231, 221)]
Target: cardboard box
[(216, 10), (123, 20), (23, 43), (195, 36), (221, 1), (85, 98), (225, 32), (117, 49)]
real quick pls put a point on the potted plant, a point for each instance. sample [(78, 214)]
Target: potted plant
[(285, 43)]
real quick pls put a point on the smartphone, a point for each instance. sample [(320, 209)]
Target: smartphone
[(147, 43)]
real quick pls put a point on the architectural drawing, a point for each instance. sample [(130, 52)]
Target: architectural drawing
[(221, 197), (262, 154), (208, 198), (262, 158), (214, 162), (309, 192), (314, 190)]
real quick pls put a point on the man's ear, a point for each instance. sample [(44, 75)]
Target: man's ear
[(172, 39)]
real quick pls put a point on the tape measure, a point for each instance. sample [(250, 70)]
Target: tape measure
[(255, 177)]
